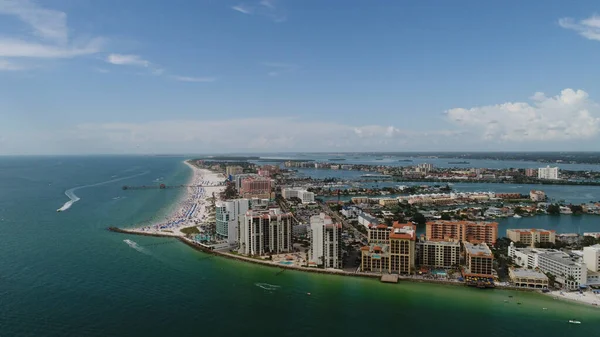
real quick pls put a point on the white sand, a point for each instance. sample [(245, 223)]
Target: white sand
[(192, 209), (587, 297)]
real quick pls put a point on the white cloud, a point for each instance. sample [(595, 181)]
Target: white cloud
[(19, 48), (129, 60), (193, 79), (243, 9), (568, 116), (48, 37), (264, 8), (588, 28), (46, 23)]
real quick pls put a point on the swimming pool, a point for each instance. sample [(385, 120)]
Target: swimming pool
[(286, 262), (439, 272)]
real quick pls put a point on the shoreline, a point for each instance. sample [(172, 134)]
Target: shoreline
[(197, 174)]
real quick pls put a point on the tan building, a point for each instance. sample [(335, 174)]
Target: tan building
[(531, 236), (537, 196), (440, 254), (527, 278), (233, 170), (465, 231), (388, 202), (390, 249), (479, 270)]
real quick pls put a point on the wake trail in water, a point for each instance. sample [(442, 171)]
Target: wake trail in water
[(135, 246), (266, 286), (70, 193)]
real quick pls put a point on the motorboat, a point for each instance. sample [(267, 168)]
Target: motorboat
[(517, 216), (574, 321)]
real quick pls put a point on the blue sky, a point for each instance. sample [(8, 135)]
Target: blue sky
[(82, 76)]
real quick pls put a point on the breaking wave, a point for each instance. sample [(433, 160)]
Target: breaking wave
[(73, 198)]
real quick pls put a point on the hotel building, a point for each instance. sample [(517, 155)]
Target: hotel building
[(439, 254), (390, 249), (265, 232), (325, 242), (300, 193), (569, 269), (233, 170), (537, 196), (479, 270), (227, 214), (255, 187), (465, 231), (531, 236)]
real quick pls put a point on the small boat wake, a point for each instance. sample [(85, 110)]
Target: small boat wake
[(135, 246), (73, 198), (266, 286)]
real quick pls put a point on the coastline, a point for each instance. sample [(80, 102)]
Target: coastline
[(210, 177)]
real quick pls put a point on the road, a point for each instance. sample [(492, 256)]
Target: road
[(345, 224)]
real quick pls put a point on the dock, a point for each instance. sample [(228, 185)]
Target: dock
[(389, 278)]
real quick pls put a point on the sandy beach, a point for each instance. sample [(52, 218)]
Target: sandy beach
[(192, 209), (587, 298)]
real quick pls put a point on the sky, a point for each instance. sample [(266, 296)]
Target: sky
[(219, 76)]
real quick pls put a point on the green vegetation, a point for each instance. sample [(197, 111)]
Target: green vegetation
[(190, 230), (553, 209)]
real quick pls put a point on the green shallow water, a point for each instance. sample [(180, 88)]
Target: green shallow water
[(63, 274)]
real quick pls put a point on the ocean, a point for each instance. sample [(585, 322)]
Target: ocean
[(64, 274)]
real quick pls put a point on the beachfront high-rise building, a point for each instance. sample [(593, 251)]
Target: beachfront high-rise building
[(265, 232), (531, 236), (591, 257), (390, 249), (233, 170), (548, 172), (439, 254), (255, 187), (305, 196), (570, 270), (227, 215), (325, 242), (479, 268), (468, 231)]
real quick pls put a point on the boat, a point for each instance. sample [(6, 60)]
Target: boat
[(572, 321), (544, 308), (59, 210), (517, 216)]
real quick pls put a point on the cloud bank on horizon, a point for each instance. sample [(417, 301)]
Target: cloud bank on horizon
[(40, 36)]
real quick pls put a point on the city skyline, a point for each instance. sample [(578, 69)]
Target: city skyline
[(288, 76)]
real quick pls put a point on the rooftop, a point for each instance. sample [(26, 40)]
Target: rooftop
[(528, 273), (527, 230), (478, 249), (440, 242)]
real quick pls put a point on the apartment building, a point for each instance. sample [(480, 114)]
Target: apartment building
[(531, 236), (265, 232), (325, 242), (537, 196), (591, 257), (233, 170), (227, 214), (550, 173), (391, 249), (465, 231), (438, 254)]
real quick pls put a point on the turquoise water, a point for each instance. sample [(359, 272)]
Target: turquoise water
[(64, 274)]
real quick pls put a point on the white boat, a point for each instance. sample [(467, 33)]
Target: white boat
[(574, 322), (517, 216)]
